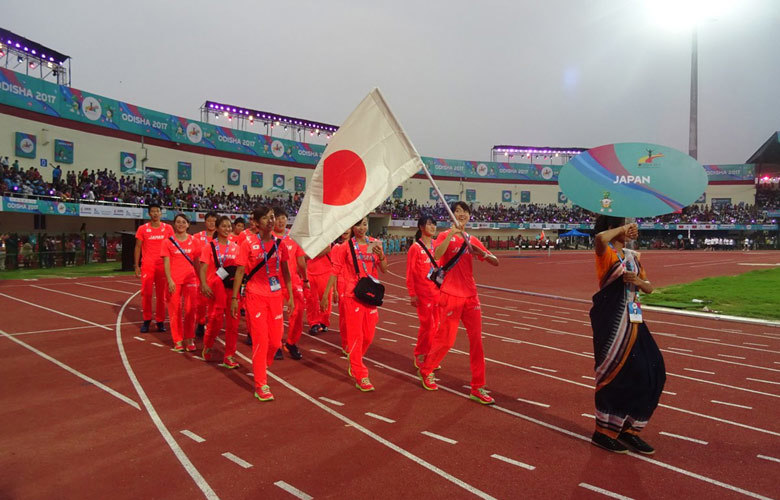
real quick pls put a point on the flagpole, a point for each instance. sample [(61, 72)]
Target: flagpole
[(438, 192)]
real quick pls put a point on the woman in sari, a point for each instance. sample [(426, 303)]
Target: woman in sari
[(630, 371)]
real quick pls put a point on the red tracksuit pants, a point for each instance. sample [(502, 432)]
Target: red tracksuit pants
[(153, 280), (201, 313), (453, 310), (361, 325), (219, 308), (295, 326), (428, 313), (342, 317), (264, 314), (181, 310), (314, 313)]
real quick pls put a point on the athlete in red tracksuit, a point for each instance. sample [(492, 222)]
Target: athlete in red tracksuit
[(341, 287), (295, 320), (182, 283), (148, 241), (318, 271), (423, 292), (201, 314), (265, 297), (213, 287), (459, 301), (361, 318), (248, 234)]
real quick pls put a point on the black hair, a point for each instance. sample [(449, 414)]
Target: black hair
[(219, 223), (421, 222), (182, 216), (606, 222), (239, 220), (211, 214), (259, 212), (280, 212), (352, 229), (462, 204), (154, 204)]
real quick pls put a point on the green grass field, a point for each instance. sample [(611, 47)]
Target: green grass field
[(108, 268), (755, 294)]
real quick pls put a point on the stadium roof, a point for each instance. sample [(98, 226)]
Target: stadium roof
[(769, 152)]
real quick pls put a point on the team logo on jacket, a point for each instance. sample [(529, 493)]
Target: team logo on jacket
[(255, 247)]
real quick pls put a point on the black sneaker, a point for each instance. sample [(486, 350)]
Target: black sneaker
[(248, 340), (315, 330), (145, 326), (293, 351), (323, 327), (279, 354), (603, 441), (161, 326), (636, 443), (200, 331)]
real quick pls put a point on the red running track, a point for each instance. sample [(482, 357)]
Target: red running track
[(91, 408)]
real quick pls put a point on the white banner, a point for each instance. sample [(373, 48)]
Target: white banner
[(110, 211)]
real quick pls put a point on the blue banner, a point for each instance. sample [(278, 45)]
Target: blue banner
[(184, 171), (63, 151), (233, 177), (25, 145), (257, 179)]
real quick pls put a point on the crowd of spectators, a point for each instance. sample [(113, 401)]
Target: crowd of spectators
[(104, 186), (44, 250)]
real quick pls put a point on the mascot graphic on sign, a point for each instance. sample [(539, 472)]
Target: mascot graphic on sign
[(606, 202)]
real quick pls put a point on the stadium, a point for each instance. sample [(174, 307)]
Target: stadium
[(91, 403)]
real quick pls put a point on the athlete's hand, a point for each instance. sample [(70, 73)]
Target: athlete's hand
[(234, 308), (456, 228), (324, 302), (631, 231), (206, 290), (413, 301), (171, 287), (290, 305), (137, 271), (631, 278)]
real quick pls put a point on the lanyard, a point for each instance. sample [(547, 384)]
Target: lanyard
[(265, 255), (430, 253), (221, 258), (629, 267), (360, 255)]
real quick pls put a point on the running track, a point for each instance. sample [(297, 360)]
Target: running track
[(93, 409)]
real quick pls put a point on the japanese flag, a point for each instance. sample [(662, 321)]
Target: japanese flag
[(367, 158)]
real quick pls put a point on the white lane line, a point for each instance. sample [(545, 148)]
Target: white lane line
[(390, 323), (588, 415), (489, 323), (157, 344), (317, 351), (544, 369), (74, 295), (762, 380), (723, 385), (587, 377), (670, 393), (543, 405), (512, 341), (467, 387), (250, 374), (708, 338), (440, 438), (192, 436), (521, 328), (57, 312), (75, 372), (586, 352), (560, 321), (69, 328), (351, 423), (698, 371), (240, 461), (765, 457), (604, 492), (731, 404), (107, 289), (731, 356), (380, 417), (292, 490), (532, 309), (194, 473), (753, 343), (331, 401), (513, 462), (502, 314), (140, 338), (387, 339), (587, 438), (684, 438), (679, 349)]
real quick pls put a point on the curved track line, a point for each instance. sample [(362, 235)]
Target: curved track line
[(166, 434), (406, 454)]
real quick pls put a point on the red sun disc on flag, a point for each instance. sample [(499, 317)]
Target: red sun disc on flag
[(343, 178)]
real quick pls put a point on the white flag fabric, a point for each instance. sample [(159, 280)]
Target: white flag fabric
[(366, 159)]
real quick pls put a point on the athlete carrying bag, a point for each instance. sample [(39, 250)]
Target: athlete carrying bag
[(227, 281), (438, 274), (260, 264), (368, 290)]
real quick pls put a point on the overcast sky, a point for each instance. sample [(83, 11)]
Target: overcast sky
[(461, 76)]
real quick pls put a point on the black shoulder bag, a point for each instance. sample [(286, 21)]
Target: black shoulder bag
[(260, 264), (437, 276), (368, 290), (227, 281)]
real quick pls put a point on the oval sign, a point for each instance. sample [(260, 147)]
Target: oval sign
[(633, 179)]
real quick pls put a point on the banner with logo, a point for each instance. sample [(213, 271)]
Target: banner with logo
[(63, 151), (633, 180), (451, 198), (127, 162), (432, 194), (118, 212), (562, 198), (184, 171), (257, 179), (22, 205), (398, 193), (506, 196), (702, 198), (25, 145), (300, 184), (233, 177), (471, 195), (525, 196), (57, 208), (278, 181), (467, 169), (741, 172)]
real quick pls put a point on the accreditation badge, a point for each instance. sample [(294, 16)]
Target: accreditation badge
[(222, 273), (635, 312), (273, 283)]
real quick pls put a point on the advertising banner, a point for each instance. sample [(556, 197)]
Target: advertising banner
[(63, 151), (184, 171), (468, 169), (86, 210), (633, 180), (451, 198), (127, 162), (25, 145), (432, 194), (257, 179), (740, 172), (471, 195), (398, 193), (233, 177), (57, 208), (525, 196), (22, 205), (506, 196), (562, 198), (278, 181), (300, 184)]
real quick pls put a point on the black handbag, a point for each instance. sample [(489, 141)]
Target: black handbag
[(228, 280), (368, 290), (438, 274)]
